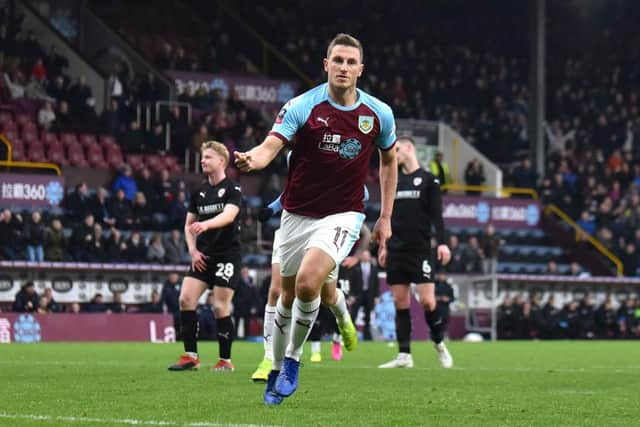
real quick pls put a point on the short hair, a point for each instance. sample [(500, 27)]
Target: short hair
[(345, 39), (218, 147), (406, 138)]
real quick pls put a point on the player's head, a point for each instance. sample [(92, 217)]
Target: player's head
[(215, 157), (343, 63), (405, 149)]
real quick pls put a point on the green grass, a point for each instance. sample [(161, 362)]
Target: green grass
[(503, 384)]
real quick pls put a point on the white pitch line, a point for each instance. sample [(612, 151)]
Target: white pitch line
[(123, 421)]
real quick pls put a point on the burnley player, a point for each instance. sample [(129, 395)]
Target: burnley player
[(332, 131), (333, 300), (211, 232), (408, 258)]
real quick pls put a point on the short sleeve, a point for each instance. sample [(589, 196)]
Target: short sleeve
[(290, 118), (235, 195), (387, 137), (192, 203)]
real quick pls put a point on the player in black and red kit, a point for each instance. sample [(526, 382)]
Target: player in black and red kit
[(211, 232), (408, 256)]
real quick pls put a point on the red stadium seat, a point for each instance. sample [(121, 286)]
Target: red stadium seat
[(76, 157), (135, 161), (9, 126), (5, 116), (10, 134), (17, 151), (115, 159), (55, 154), (154, 162), (170, 162), (29, 136), (29, 127), (68, 138), (36, 153), (49, 138), (87, 139), (21, 119), (95, 156), (107, 140)]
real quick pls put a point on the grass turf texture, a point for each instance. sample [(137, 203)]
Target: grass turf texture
[(507, 383)]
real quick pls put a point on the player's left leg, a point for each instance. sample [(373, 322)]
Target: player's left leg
[(222, 310), (262, 371), (335, 300), (427, 298)]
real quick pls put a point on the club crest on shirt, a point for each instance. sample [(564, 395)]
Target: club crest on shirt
[(417, 181), (221, 192), (350, 149), (365, 124)]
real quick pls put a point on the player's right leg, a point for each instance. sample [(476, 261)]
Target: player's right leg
[(402, 300), (192, 289)]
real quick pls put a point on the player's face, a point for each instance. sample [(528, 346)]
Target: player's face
[(343, 66), (211, 162), (402, 150)]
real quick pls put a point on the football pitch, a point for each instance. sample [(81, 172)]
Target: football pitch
[(493, 384)]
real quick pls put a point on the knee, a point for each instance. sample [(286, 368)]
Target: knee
[(402, 302), (221, 308), (306, 287), (187, 302), (428, 303)]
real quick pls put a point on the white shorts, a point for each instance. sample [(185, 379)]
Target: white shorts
[(334, 234), (275, 253)]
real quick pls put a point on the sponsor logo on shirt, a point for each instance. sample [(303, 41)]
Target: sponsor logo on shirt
[(350, 149), (330, 142), (408, 194), (211, 209)]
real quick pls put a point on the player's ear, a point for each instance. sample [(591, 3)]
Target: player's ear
[(325, 63)]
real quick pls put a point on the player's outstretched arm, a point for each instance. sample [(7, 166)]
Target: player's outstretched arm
[(260, 156), (388, 184)]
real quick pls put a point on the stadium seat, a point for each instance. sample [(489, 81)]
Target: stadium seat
[(135, 161), (154, 162), (95, 156), (48, 138), (36, 152), (107, 141), (29, 136), (55, 154), (87, 139), (21, 119), (68, 138), (115, 159), (5, 117), (17, 150), (9, 126), (76, 157), (29, 127)]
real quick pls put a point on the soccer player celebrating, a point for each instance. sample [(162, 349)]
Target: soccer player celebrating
[(211, 232), (408, 257), (336, 128)]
